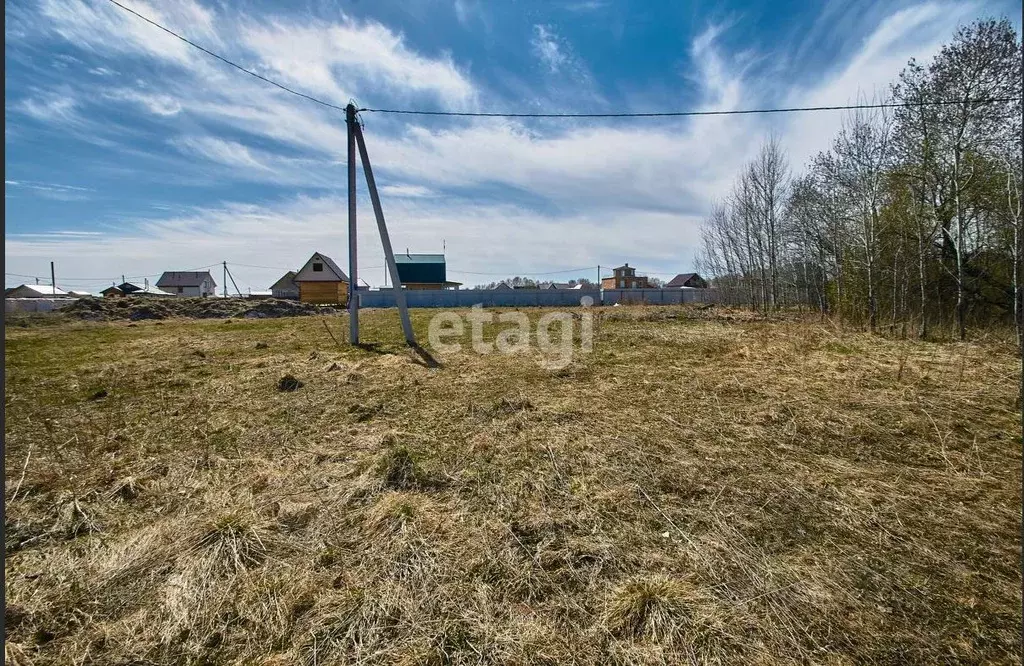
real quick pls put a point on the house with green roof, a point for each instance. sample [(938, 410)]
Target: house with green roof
[(423, 271)]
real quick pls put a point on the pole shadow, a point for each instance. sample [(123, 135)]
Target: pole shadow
[(425, 357)]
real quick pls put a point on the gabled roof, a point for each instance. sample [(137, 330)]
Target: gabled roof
[(622, 267), (560, 285), (681, 279), (185, 279), (286, 281), (419, 258), (328, 262), (149, 290), (37, 289), (114, 289)]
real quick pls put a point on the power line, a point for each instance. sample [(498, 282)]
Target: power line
[(677, 114), (109, 278), (225, 60), (474, 114)]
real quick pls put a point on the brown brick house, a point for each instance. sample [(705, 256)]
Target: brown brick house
[(625, 277)]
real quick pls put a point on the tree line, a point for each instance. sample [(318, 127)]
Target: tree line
[(530, 283), (910, 223)]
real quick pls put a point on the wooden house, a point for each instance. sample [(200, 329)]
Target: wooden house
[(321, 281)]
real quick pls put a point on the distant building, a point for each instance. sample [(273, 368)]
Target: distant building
[(625, 277), (285, 287), (34, 291), (423, 271), (503, 286), (322, 281), (188, 283), (687, 280), (559, 285), (133, 289)]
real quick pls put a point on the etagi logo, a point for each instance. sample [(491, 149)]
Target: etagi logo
[(556, 352)]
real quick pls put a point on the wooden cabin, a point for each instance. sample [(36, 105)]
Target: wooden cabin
[(321, 281)]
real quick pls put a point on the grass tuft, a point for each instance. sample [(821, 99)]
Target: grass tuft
[(659, 609), (707, 486)]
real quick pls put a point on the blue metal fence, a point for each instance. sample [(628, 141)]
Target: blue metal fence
[(464, 298)]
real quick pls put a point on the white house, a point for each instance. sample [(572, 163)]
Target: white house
[(285, 287), (34, 291), (187, 283)]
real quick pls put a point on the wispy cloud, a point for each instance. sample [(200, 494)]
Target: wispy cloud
[(54, 191), (336, 60), (593, 192), (50, 107), (547, 48), (155, 103), (586, 5), (406, 191)]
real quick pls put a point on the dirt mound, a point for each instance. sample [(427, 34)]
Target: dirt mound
[(142, 308), (279, 308)]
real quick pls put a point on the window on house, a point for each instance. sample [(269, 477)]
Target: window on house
[(622, 284), (318, 267), (181, 290)]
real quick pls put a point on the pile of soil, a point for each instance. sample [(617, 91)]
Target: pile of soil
[(137, 308)]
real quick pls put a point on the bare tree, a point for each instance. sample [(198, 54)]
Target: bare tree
[(981, 64)]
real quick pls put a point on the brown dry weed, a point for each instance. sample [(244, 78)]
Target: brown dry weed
[(705, 487)]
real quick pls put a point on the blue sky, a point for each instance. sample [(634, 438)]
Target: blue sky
[(129, 153)]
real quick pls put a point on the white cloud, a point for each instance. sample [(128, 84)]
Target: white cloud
[(156, 103), (103, 27), (55, 191), (228, 153), (233, 160), (597, 192), (51, 107), (406, 191), (470, 12), (336, 60), (479, 238), (547, 48), (918, 31), (587, 5)]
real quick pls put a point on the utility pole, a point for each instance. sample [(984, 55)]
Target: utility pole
[(237, 290), (225, 279), (353, 300), (599, 276), (385, 240), (53, 280)]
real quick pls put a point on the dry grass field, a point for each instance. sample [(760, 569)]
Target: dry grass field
[(703, 487)]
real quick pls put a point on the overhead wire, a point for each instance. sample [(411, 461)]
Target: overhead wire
[(225, 60), (678, 114), (502, 114)]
